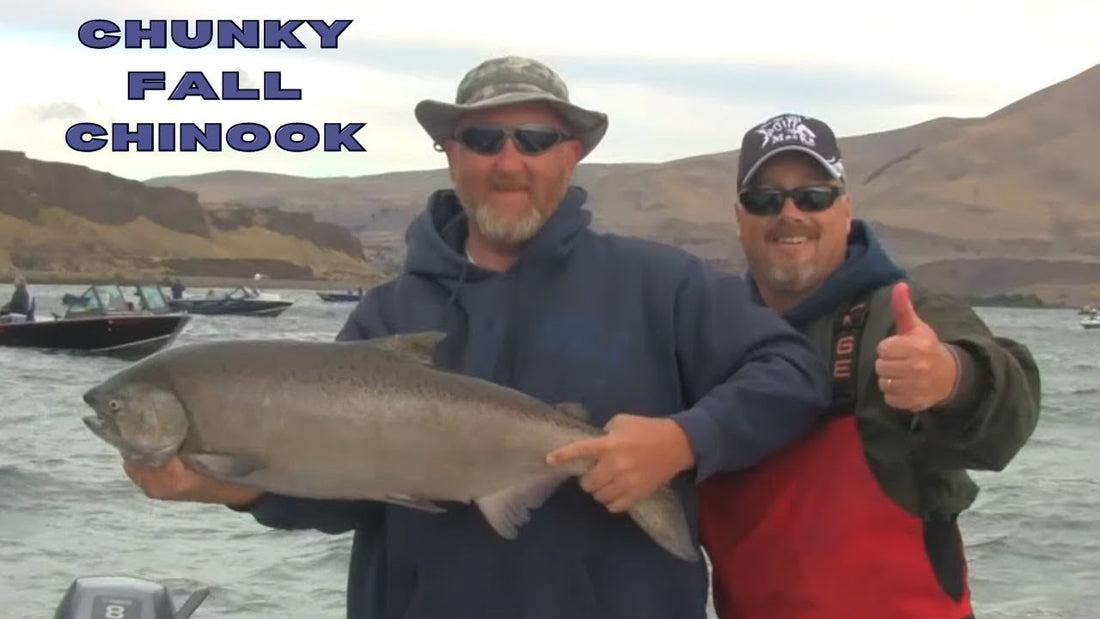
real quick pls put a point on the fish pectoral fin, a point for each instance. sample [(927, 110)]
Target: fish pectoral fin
[(417, 347), (222, 466), (510, 509), (413, 502), (574, 409)]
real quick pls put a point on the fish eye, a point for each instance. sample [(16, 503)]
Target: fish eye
[(114, 405)]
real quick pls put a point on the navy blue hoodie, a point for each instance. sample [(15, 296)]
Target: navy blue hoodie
[(618, 324)]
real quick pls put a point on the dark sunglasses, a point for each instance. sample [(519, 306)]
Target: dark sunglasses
[(529, 139), (768, 201)]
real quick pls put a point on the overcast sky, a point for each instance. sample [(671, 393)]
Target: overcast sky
[(682, 80)]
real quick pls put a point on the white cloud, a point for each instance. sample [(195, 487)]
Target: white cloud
[(676, 82)]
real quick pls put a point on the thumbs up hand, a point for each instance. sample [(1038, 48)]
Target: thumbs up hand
[(916, 371)]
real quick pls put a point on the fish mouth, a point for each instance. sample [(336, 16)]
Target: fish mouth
[(105, 428)]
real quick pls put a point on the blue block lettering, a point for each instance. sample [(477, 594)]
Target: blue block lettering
[(156, 33), (193, 83), (74, 137), (284, 137), (98, 33), (140, 81), (210, 136), (204, 33), (337, 136), (273, 87), (231, 87), (329, 33), (247, 33), (122, 137), (261, 137), (166, 137), (276, 33)]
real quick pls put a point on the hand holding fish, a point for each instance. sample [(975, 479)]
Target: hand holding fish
[(916, 370), (636, 457), (175, 482)]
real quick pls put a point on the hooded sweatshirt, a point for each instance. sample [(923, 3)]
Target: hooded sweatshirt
[(618, 324), (866, 267)]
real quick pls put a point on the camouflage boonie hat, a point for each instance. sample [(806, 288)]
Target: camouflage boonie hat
[(505, 81)]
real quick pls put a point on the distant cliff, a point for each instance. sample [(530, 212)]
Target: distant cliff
[(301, 225), (69, 219)]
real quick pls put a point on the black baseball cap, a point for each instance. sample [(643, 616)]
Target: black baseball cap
[(785, 133)]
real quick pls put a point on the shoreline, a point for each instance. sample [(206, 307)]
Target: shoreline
[(53, 278), (1006, 300)]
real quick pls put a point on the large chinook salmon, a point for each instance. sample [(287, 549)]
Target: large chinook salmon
[(371, 419)]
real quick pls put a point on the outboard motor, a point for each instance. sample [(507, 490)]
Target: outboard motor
[(122, 597)]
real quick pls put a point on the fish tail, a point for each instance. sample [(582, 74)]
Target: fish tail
[(662, 517)]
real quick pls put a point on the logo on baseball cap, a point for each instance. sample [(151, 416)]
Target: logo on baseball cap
[(784, 133)]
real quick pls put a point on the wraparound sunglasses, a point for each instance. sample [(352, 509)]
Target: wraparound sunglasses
[(529, 139), (769, 201)]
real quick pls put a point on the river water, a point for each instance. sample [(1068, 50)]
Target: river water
[(67, 510)]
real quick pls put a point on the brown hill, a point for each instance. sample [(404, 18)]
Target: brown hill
[(383, 202), (1028, 171), (58, 218), (1022, 183)]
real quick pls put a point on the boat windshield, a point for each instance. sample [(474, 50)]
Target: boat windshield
[(112, 300), (241, 292), (152, 297), (96, 300), (87, 303)]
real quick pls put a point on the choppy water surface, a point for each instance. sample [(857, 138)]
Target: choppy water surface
[(67, 510)]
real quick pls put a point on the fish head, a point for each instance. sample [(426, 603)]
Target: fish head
[(145, 421)]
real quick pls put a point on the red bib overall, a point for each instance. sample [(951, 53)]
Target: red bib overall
[(810, 534)]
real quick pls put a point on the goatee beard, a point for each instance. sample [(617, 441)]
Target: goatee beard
[(508, 231)]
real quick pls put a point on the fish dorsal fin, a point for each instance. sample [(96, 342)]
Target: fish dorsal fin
[(417, 346), (575, 410)]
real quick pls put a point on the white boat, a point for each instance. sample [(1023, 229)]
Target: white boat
[(1091, 321)]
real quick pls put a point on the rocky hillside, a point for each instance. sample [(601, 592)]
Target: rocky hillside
[(957, 200), (62, 219)]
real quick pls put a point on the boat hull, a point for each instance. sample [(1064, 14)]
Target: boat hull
[(122, 337), (231, 307), (339, 297)]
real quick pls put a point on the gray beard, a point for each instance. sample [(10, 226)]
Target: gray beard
[(791, 279)]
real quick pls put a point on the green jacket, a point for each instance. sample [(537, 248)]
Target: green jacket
[(921, 460)]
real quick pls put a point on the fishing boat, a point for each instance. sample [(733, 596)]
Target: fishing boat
[(1091, 321), (349, 296), (241, 301), (102, 322)]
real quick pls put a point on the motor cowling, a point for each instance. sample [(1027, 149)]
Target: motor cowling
[(121, 597)]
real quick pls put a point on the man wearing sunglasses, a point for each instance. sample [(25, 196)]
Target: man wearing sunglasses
[(859, 519), (687, 374)]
